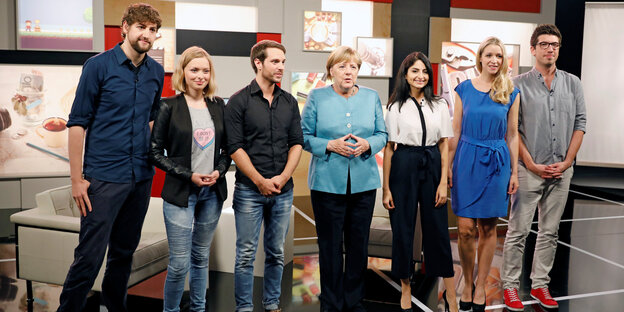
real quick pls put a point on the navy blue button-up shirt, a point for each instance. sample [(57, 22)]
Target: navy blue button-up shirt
[(115, 101)]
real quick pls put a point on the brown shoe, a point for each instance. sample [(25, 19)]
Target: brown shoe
[(277, 310)]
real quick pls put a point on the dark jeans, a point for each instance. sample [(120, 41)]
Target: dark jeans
[(115, 222), (337, 216)]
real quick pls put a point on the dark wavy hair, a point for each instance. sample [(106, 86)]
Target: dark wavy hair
[(401, 92)]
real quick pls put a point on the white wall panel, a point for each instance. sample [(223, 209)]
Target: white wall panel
[(357, 18), (602, 75), (216, 17)]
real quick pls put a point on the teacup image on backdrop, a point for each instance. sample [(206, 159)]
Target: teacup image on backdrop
[(53, 130)]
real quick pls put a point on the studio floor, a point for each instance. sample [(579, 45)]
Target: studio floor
[(588, 274)]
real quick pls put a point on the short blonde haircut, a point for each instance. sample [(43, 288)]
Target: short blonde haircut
[(502, 86), (178, 82), (342, 54)]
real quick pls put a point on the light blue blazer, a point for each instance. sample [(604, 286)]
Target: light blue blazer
[(327, 116)]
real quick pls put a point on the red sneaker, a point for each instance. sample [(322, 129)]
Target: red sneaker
[(512, 302), (542, 295)]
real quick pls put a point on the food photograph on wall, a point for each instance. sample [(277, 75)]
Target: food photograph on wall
[(35, 101), (321, 30), (302, 83)]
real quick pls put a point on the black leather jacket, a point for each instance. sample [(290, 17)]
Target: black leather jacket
[(173, 132)]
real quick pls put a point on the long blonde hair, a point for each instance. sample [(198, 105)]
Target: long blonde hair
[(502, 86), (179, 83)]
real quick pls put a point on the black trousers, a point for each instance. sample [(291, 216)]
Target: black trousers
[(414, 179), (115, 222), (337, 216)]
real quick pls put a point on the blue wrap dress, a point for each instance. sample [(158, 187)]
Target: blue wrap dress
[(482, 166)]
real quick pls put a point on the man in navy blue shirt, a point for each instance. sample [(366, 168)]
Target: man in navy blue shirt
[(111, 116)]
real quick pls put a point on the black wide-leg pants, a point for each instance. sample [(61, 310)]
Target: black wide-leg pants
[(414, 179), (337, 216)]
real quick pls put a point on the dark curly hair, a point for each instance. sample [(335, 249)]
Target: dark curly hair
[(141, 12)]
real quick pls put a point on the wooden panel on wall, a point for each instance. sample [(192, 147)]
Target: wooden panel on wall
[(528, 6), (382, 18), (439, 31), (114, 9)]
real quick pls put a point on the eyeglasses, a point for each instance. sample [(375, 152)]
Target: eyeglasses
[(544, 45)]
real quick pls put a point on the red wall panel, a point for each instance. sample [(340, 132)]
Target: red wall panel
[(269, 36), (112, 36), (528, 6)]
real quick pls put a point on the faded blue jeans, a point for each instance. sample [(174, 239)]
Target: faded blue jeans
[(189, 232), (250, 208)]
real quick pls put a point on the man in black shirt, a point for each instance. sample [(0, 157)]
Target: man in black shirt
[(264, 137)]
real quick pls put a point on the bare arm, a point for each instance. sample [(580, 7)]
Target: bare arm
[(442, 191), (387, 201), (294, 154), (79, 184), (458, 114), (265, 186), (512, 144)]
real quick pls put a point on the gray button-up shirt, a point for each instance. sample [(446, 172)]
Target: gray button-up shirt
[(547, 118)]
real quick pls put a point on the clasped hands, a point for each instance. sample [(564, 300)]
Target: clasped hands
[(552, 171), (201, 179), (340, 146), (272, 186)]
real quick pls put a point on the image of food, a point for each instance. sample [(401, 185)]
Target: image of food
[(301, 84), (321, 30), (35, 102)]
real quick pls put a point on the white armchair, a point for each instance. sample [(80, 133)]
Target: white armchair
[(47, 235)]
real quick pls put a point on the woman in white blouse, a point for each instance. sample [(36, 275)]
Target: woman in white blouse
[(415, 170)]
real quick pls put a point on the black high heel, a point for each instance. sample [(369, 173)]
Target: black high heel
[(477, 307), (467, 305), (447, 308)]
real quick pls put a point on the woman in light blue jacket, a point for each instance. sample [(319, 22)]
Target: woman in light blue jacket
[(343, 128)]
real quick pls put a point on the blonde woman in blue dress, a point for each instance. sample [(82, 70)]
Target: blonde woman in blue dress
[(484, 158)]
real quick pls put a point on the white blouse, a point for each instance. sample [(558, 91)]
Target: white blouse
[(404, 127)]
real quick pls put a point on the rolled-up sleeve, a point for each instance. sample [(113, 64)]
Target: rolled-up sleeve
[(234, 124), (580, 119), (311, 143), (83, 108)]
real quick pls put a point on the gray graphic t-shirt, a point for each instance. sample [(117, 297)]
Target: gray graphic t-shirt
[(202, 150)]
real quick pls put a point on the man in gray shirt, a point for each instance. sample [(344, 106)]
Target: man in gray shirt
[(551, 124)]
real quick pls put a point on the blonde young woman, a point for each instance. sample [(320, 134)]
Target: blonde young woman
[(484, 156), (189, 126)]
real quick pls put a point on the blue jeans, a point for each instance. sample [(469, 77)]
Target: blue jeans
[(250, 208), (189, 232)]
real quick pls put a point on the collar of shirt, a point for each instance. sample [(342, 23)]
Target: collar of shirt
[(254, 88), (537, 74), (121, 57)]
